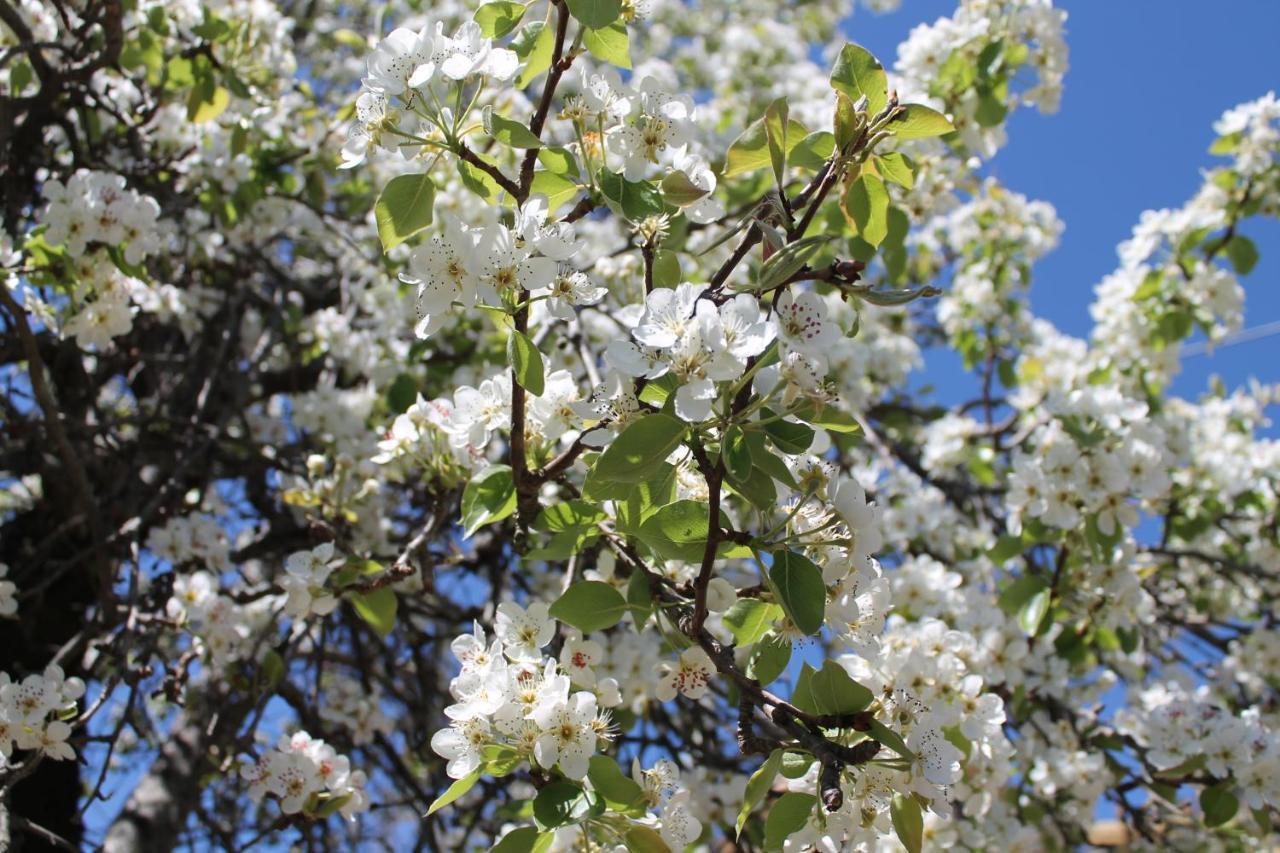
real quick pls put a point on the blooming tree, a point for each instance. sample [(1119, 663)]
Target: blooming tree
[(455, 426)]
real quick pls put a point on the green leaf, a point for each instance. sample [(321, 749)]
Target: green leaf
[(797, 583), (501, 760), (866, 204), (404, 208), (206, 107), (490, 496), (457, 789), (666, 268), (749, 619), (775, 127), (677, 189), (677, 531), (402, 393), (1219, 804), (1033, 612), (887, 736), (636, 200), (769, 658), (499, 17), (920, 122), (814, 150), (507, 131), (560, 161), (609, 44), (787, 436), (378, 608), (832, 420), (272, 669), (620, 791), (858, 73), (526, 363), (1243, 254), (596, 13), (524, 839), (829, 690), (536, 48), (477, 180), (644, 839), (896, 167), (795, 764), (1005, 549), (757, 787), (558, 189), (569, 515), (736, 454), (636, 454), (589, 606), (908, 822), (789, 814), (560, 804)]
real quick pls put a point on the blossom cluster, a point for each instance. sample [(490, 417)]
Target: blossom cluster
[(307, 775), (34, 714), (507, 693)]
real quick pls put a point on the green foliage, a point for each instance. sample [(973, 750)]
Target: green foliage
[(590, 606), (499, 17), (377, 608), (526, 363), (636, 454), (858, 74), (404, 208), (829, 690), (490, 496), (757, 787), (798, 585), (789, 814)]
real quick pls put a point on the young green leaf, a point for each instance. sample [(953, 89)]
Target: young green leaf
[(1218, 804), (797, 583), (829, 690), (857, 74), (635, 455), (404, 208), (378, 608), (920, 122), (526, 363), (866, 205), (524, 839), (908, 822), (609, 44), (757, 786), (536, 49), (490, 496), (499, 17), (507, 131), (749, 619), (560, 804), (596, 13), (590, 606), (788, 814), (457, 789)]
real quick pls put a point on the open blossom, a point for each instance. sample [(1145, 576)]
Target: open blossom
[(304, 581), (402, 60), (690, 676), (467, 52), (664, 124), (568, 735), (523, 631)]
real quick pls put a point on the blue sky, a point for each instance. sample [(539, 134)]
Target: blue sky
[(1147, 81)]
